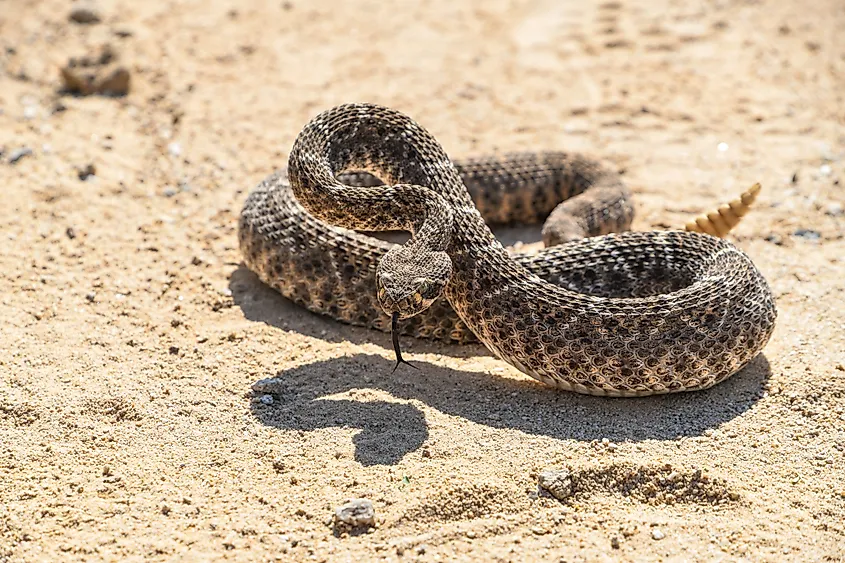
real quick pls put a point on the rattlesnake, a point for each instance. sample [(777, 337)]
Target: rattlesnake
[(623, 314)]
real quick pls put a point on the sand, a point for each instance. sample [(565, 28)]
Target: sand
[(132, 335)]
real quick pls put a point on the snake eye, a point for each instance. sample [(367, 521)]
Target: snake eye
[(426, 288)]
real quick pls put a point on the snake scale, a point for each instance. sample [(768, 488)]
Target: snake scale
[(618, 314)]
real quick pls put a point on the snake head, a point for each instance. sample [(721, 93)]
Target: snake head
[(410, 281)]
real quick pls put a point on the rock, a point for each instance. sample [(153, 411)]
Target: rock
[(356, 513), (807, 234), (18, 154), (628, 530), (657, 534), (834, 210), (775, 238), (115, 83), (84, 12), (557, 483), (175, 149), (99, 73), (86, 171)]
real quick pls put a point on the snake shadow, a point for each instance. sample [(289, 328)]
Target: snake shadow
[(391, 429)]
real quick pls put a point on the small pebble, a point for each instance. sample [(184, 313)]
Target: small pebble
[(175, 149), (116, 83), (835, 210), (825, 169), (722, 147), (657, 534), (356, 513), (266, 399), (556, 483), (774, 239), (629, 530), (614, 542), (808, 234), (18, 154), (86, 172), (96, 73), (84, 13)]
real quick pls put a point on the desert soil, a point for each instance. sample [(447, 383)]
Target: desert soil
[(132, 335)]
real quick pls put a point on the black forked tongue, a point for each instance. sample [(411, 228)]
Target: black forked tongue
[(395, 333)]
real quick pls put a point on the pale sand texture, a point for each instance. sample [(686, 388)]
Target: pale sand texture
[(128, 428)]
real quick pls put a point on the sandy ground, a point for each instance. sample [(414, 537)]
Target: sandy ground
[(132, 334)]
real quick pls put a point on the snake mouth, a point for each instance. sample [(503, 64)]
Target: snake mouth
[(406, 308)]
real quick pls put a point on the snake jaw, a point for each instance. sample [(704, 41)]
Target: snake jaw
[(406, 307), (394, 332)]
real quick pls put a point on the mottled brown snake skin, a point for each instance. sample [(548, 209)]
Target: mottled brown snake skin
[(622, 314)]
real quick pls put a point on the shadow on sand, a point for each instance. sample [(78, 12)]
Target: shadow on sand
[(390, 430)]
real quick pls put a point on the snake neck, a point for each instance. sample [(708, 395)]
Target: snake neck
[(478, 258)]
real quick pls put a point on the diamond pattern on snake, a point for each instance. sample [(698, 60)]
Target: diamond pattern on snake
[(602, 310)]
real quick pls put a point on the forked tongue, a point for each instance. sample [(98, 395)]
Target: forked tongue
[(395, 334)]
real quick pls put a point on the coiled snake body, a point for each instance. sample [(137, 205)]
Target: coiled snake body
[(621, 314)]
